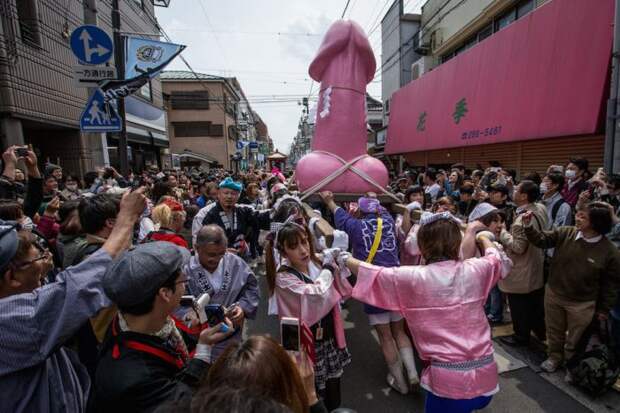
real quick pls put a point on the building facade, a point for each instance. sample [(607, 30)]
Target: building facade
[(398, 51), (502, 81), (39, 103), (202, 117)]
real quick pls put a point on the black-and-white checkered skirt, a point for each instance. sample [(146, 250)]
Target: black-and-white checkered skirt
[(330, 361)]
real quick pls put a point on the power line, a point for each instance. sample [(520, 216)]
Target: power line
[(422, 27), (345, 9), (377, 22), (194, 30), (217, 40)]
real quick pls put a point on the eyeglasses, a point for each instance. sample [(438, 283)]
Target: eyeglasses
[(43, 256), (184, 281)]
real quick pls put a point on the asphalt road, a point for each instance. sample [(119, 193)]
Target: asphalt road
[(365, 390)]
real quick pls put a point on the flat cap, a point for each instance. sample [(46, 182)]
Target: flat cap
[(139, 272), (8, 242)]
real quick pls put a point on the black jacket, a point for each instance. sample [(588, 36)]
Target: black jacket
[(245, 220), (137, 380)]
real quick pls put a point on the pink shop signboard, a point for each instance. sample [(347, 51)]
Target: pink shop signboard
[(545, 75)]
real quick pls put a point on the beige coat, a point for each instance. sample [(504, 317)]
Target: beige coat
[(527, 273)]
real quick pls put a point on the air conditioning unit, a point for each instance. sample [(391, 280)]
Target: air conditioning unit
[(421, 66), (423, 44)]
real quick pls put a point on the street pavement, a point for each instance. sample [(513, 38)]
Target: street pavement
[(365, 390)]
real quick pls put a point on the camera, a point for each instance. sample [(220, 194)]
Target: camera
[(21, 152), (216, 313)]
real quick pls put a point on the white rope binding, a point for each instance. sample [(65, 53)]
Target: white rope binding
[(345, 166)]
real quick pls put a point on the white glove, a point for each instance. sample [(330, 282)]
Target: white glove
[(413, 205), (486, 234), (329, 256), (341, 240), (343, 258), (312, 225)]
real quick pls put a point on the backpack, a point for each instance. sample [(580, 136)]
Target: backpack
[(556, 208), (596, 370)]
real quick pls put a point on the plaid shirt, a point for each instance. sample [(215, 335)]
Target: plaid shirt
[(37, 374)]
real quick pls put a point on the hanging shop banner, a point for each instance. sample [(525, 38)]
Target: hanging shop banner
[(148, 56), (525, 82), (145, 59)]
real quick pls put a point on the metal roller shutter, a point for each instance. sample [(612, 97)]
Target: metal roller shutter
[(524, 157), (539, 154), (507, 154)]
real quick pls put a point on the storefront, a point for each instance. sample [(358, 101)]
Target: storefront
[(531, 95), (146, 135)]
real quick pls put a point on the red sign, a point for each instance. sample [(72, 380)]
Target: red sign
[(543, 76)]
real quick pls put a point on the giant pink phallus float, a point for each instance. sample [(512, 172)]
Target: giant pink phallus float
[(339, 161)]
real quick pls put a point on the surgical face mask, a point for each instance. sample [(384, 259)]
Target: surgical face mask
[(543, 188), (570, 174)]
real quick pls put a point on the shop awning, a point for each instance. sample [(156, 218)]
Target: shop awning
[(545, 75)]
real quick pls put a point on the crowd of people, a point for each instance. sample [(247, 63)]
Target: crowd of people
[(105, 279)]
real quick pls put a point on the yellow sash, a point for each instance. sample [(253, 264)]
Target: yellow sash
[(376, 241)]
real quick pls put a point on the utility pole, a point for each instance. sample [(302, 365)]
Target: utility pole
[(612, 132), (119, 61)]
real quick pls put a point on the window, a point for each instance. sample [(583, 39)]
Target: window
[(446, 57), (145, 91), (198, 100), (505, 20), (524, 8), (28, 22), (139, 3), (232, 132), (387, 106), (486, 32), (197, 129)]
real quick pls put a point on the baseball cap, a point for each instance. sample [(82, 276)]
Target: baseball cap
[(8, 241), (139, 272)]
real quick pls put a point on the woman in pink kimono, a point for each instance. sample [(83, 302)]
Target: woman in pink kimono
[(443, 303), (310, 289)]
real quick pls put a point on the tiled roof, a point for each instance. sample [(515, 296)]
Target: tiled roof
[(186, 75)]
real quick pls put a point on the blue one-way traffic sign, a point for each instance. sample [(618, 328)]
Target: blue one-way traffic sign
[(91, 45), (99, 115)]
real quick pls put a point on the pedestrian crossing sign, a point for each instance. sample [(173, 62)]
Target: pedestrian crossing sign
[(99, 115)]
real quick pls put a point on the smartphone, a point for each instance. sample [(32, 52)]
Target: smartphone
[(216, 313), (188, 301), (21, 152), (290, 334)]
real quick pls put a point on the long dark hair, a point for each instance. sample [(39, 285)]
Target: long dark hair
[(288, 236)]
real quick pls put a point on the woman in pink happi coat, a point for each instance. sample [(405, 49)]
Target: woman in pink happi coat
[(443, 303), (309, 287)]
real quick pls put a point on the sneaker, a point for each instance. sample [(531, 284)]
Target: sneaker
[(550, 365), (399, 387), (414, 383)]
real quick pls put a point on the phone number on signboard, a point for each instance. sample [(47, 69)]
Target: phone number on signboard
[(481, 133)]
